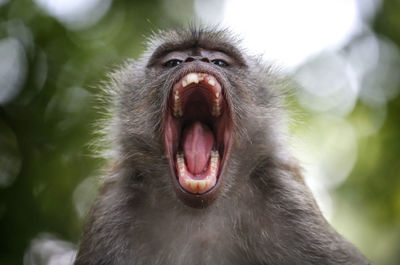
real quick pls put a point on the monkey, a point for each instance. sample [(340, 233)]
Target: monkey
[(202, 172)]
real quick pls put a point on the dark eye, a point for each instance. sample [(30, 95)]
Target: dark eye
[(173, 63), (221, 63)]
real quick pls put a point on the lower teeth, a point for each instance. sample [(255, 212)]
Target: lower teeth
[(198, 185)]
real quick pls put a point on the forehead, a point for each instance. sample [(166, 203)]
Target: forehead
[(195, 40), (195, 51)]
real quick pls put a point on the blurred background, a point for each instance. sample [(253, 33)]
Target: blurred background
[(343, 55)]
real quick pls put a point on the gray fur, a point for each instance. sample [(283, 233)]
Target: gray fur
[(264, 214)]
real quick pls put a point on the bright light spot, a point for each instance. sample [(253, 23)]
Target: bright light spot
[(71, 101), (209, 11), (2, 2), (367, 8), (369, 119), (40, 70), (48, 250), (328, 85), (289, 31), (84, 196), (322, 196), (363, 55), (10, 157), (12, 68), (327, 150), (76, 14), (381, 83)]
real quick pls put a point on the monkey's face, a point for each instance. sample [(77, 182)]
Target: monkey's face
[(198, 121)]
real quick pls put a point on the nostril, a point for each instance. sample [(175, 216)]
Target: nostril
[(195, 58)]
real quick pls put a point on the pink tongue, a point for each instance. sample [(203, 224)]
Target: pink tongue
[(198, 140)]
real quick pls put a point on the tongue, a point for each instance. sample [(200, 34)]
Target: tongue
[(198, 140)]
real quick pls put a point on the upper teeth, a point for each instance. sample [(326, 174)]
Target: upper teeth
[(196, 78), (177, 105), (211, 82), (190, 78)]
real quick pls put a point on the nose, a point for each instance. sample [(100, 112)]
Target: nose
[(197, 58)]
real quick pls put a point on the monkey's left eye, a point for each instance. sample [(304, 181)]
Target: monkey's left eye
[(219, 62), (173, 63)]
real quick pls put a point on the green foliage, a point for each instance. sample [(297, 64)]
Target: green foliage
[(45, 129)]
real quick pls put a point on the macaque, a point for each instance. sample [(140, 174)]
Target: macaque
[(202, 173)]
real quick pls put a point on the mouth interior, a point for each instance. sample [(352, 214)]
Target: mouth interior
[(197, 132)]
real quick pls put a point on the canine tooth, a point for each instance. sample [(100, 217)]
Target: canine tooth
[(192, 78), (177, 105), (184, 83), (211, 82), (181, 163)]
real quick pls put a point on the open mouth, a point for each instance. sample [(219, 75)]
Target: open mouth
[(198, 132)]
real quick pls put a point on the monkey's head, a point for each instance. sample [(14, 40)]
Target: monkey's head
[(187, 102)]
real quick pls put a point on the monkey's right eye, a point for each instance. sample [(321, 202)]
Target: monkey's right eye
[(173, 63), (220, 63)]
